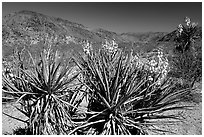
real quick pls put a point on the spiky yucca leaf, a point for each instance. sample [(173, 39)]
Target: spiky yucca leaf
[(45, 92), (124, 96)]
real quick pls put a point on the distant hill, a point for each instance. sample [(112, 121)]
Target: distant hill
[(33, 30), (143, 37), (170, 37), (30, 29)]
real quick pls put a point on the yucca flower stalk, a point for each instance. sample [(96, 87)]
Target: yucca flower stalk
[(122, 99), (46, 92), (87, 47), (154, 62), (186, 35), (111, 47), (187, 61)]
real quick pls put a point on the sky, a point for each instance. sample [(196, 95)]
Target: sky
[(119, 17)]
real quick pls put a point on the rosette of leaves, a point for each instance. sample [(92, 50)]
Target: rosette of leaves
[(46, 92), (122, 99)]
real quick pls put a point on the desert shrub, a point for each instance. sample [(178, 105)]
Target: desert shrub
[(46, 91), (187, 68), (187, 60), (122, 99)]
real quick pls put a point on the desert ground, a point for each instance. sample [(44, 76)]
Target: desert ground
[(192, 124)]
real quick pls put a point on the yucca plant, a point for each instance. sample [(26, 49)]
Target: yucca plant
[(122, 99), (187, 61), (46, 92), (186, 36)]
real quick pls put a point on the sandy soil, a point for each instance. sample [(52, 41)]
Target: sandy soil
[(192, 124), (9, 124), (192, 118)]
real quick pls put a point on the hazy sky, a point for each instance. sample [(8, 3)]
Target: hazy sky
[(118, 17)]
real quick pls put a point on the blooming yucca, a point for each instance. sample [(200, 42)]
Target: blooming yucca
[(186, 62), (87, 47), (187, 21), (110, 46), (123, 100), (180, 29), (157, 64)]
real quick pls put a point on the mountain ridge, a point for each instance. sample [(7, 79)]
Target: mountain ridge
[(37, 20), (31, 28)]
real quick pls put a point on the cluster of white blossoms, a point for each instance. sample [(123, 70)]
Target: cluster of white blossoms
[(188, 24), (159, 64), (180, 29), (87, 47), (110, 46), (155, 62), (69, 39), (187, 21)]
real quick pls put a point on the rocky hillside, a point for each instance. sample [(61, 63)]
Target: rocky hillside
[(34, 30), (28, 25), (170, 37), (143, 37)]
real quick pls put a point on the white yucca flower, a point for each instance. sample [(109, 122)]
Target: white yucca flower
[(187, 21), (87, 47), (180, 28), (157, 64), (153, 63), (110, 46), (150, 78)]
